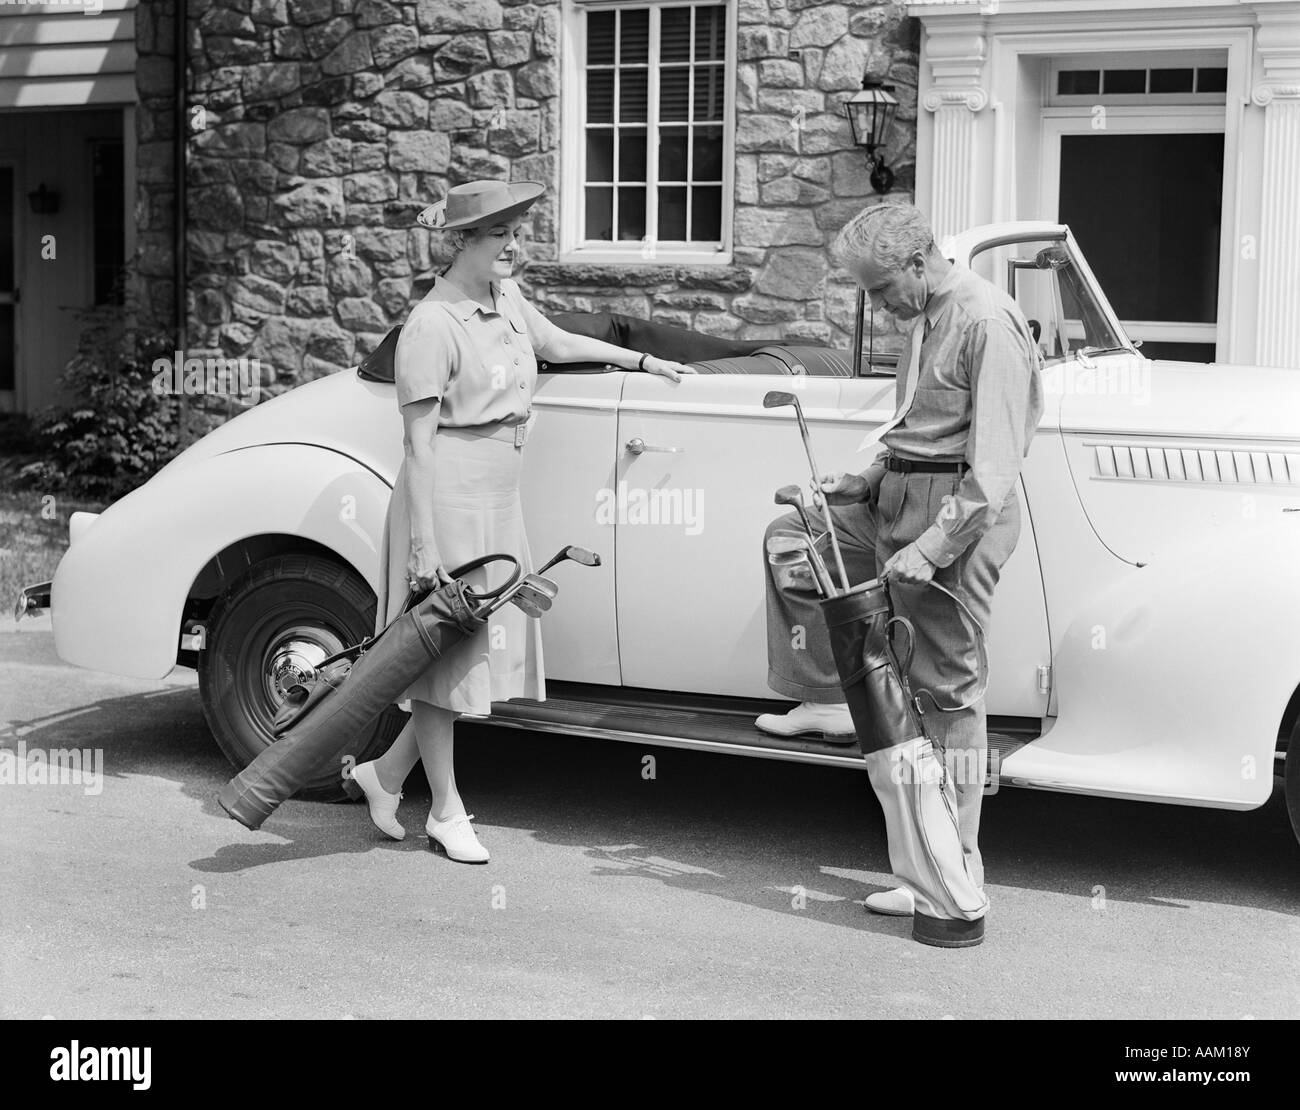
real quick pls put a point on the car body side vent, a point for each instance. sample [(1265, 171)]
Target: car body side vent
[(1217, 466)]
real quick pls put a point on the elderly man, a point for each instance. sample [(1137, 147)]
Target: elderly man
[(939, 504)]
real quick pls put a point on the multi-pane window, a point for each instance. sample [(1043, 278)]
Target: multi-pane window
[(1143, 79), (654, 137), (1112, 82)]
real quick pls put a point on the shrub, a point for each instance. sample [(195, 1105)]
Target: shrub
[(117, 432)]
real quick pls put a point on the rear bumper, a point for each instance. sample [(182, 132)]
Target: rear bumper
[(32, 601)]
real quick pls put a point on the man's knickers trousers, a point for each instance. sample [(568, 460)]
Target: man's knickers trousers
[(945, 661)]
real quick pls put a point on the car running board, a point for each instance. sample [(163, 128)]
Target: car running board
[(702, 722)]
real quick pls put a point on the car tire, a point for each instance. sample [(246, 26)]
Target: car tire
[(284, 615), (1291, 776)]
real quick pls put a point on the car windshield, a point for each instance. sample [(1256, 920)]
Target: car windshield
[(1044, 279)]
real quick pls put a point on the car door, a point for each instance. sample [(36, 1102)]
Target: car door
[(568, 461), (697, 466)]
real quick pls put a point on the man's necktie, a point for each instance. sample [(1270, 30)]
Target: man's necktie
[(916, 337)]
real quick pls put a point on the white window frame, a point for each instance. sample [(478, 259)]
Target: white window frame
[(573, 246)]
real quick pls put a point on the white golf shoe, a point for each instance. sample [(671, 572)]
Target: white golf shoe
[(456, 837), (893, 903), (831, 721), (382, 804)]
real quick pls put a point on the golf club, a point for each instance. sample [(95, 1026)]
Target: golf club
[(777, 399), (793, 495), (530, 605), (781, 544), (573, 554), (536, 585), (789, 560), (796, 558), (544, 586)]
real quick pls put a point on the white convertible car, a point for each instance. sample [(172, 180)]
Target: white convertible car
[(1146, 637)]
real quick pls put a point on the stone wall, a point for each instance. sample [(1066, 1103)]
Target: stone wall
[(319, 128), (798, 181)]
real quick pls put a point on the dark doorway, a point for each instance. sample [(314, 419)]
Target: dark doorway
[(8, 294), (1147, 211), (107, 202)]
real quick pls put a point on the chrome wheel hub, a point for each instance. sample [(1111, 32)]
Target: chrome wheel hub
[(293, 657)]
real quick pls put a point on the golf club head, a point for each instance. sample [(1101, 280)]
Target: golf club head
[(572, 554), (530, 598), (529, 607), (778, 399), (780, 543), (795, 569), (788, 495), (790, 559), (783, 546), (539, 585)]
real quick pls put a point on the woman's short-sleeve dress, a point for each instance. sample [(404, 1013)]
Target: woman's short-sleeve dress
[(482, 367)]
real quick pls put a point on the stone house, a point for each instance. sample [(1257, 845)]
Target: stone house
[(317, 129), (696, 154)]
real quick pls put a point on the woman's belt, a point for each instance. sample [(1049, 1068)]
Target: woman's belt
[(507, 431)]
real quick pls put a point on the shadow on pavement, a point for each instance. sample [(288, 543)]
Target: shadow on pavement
[(757, 831)]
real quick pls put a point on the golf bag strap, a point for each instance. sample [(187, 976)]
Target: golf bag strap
[(482, 561), (414, 597), (905, 664), (364, 645), (981, 649)]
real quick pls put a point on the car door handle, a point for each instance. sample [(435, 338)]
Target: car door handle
[(638, 446)]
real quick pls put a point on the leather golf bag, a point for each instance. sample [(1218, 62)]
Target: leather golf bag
[(908, 777), (323, 714)]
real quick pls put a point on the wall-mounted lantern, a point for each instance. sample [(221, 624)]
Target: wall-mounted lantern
[(871, 115), (44, 201)]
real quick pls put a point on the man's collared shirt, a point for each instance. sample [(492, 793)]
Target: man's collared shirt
[(978, 398), (481, 364)]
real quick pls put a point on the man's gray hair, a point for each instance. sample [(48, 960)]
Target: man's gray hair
[(889, 233)]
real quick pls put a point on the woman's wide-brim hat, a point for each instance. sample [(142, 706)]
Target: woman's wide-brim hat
[(480, 204)]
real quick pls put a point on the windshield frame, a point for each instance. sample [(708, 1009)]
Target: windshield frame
[(1065, 237)]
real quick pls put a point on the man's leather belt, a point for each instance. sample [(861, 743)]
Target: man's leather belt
[(915, 466)]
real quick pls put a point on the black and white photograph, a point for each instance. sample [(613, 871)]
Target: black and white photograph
[(651, 510)]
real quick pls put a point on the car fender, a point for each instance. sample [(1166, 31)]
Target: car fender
[(1173, 678), (120, 590)]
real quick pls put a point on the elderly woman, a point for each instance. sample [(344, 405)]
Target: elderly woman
[(465, 371)]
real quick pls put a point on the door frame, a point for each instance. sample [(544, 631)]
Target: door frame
[(15, 400), (1018, 61), (1149, 120)]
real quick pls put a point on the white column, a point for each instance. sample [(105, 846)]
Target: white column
[(955, 56), (1278, 328), (952, 205), (1277, 47)]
